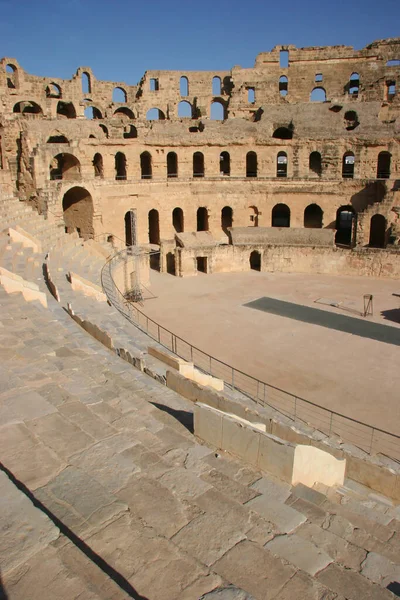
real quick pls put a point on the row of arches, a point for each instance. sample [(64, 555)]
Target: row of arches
[(67, 166)]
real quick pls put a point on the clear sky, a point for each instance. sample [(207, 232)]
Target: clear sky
[(121, 39)]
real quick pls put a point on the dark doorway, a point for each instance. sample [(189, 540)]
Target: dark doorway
[(172, 164), (226, 218), (281, 164), (98, 165), (313, 217), (155, 261), (120, 166), (171, 263), (348, 165), (281, 216), (202, 219), (255, 261), (78, 212), (154, 227), (201, 262), (145, 165), (224, 163), (251, 164), (383, 168), (177, 220), (198, 164), (344, 225), (377, 232), (315, 163)]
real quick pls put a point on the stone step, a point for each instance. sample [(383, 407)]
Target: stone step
[(300, 552)]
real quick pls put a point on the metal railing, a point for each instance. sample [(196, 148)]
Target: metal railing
[(370, 439)]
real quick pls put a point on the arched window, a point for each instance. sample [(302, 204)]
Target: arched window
[(315, 163), (185, 110), (348, 165), (280, 216), (172, 164), (91, 112), (345, 216), (177, 220), (78, 212), (283, 85), (184, 86), (154, 227), (313, 217), (255, 261), (123, 112), (354, 84), (202, 219), (12, 76), (58, 138), (283, 133), (120, 166), (226, 218), (251, 164), (86, 83), (224, 164), (104, 129), (377, 232), (198, 164), (251, 95), (53, 91), (27, 108), (98, 165), (281, 164), (65, 166), (155, 114), (66, 110), (217, 111), (318, 95), (216, 86), (119, 95), (383, 167), (146, 166), (130, 132)]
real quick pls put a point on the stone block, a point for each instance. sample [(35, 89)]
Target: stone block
[(376, 477), (208, 424), (312, 465), (276, 457), (300, 552), (240, 439), (285, 518)]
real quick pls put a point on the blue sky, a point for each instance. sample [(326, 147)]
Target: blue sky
[(120, 40)]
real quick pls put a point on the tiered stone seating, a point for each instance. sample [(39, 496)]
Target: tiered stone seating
[(128, 503)]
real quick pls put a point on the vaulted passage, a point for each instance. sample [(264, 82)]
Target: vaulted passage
[(78, 212), (154, 227), (383, 167), (344, 225), (198, 164), (226, 218), (202, 219), (281, 216), (65, 166), (177, 220), (172, 164), (313, 216), (251, 164), (255, 261)]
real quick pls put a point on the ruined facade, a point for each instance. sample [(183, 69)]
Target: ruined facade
[(307, 138)]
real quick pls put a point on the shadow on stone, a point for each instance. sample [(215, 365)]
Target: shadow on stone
[(394, 587), (183, 416), (391, 315), (3, 593)]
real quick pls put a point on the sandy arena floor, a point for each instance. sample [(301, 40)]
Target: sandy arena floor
[(353, 375)]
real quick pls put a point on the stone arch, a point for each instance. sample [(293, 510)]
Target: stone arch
[(354, 84), (92, 112), (345, 216), (281, 164), (178, 220), (313, 215), (198, 164), (27, 107), (154, 226), (226, 218), (119, 95), (318, 94), (254, 215), (216, 88), (66, 110), (225, 163), (130, 132), (123, 112), (251, 164), (202, 219), (255, 260), (184, 86), (283, 133), (57, 138), (218, 110), (283, 86), (53, 90), (185, 110), (120, 166), (86, 83), (315, 163), (104, 129), (65, 166), (280, 216), (377, 232), (146, 168), (348, 163), (383, 166), (98, 165), (172, 165), (12, 76), (155, 114), (78, 211)]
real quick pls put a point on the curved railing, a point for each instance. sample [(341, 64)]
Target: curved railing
[(370, 439)]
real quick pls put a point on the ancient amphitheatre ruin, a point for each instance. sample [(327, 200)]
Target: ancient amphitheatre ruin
[(159, 438)]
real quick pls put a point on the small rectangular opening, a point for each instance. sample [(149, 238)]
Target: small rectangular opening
[(284, 59), (154, 85), (251, 95), (201, 262)]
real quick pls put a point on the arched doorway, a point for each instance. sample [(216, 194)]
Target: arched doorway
[(177, 220), (172, 164), (224, 164), (154, 227), (65, 166), (255, 261), (202, 219), (170, 263), (383, 166), (280, 216), (254, 212), (145, 165), (78, 212), (226, 218), (345, 216), (313, 217), (315, 163), (98, 165), (251, 164), (377, 232)]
